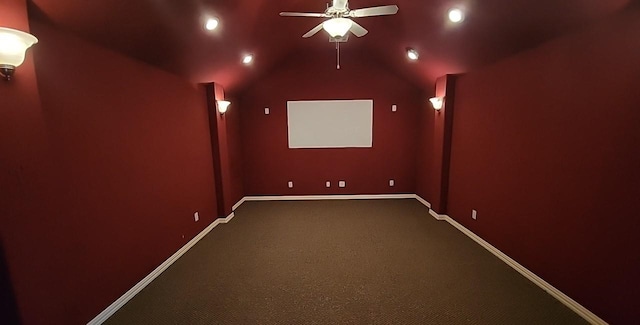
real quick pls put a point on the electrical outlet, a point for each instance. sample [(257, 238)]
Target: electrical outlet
[(328, 184), (196, 216), (394, 107), (392, 183), (474, 214), (290, 184), (342, 184), (266, 111)]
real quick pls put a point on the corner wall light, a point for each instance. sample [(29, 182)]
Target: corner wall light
[(223, 105), (13, 45), (436, 102)]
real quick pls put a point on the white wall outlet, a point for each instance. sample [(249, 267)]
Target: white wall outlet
[(394, 107), (392, 183), (196, 216), (474, 214), (266, 111), (342, 184), (328, 184), (290, 184)]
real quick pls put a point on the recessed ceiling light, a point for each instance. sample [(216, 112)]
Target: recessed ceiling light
[(247, 59), (212, 23), (456, 15), (412, 54)]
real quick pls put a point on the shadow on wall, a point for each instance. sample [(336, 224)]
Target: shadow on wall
[(8, 306)]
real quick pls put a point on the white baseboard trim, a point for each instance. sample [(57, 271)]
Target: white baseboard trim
[(544, 285), (109, 311), (423, 201), (440, 217), (239, 203), (326, 197), (566, 300)]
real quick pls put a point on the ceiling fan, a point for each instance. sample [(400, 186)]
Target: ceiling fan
[(341, 22)]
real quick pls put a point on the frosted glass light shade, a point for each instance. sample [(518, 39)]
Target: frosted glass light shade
[(13, 45), (337, 27), (223, 105), (436, 102)]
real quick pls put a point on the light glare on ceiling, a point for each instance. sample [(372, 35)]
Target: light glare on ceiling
[(412, 54), (212, 23), (456, 15), (247, 59)]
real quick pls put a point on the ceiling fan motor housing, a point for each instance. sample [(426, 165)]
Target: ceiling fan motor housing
[(339, 5)]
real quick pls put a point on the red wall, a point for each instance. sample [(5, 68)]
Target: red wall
[(107, 188), (434, 147), (546, 147), (233, 173), (227, 150), (23, 150), (268, 162)]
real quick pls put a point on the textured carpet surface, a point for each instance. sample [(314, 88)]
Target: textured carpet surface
[(340, 262)]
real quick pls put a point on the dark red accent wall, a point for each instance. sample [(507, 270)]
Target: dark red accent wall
[(23, 146), (546, 147), (268, 162), (434, 147), (103, 172), (227, 150)]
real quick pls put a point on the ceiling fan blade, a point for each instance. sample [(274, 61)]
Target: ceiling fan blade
[(358, 30), (303, 14), (374, 11), (313, 31)]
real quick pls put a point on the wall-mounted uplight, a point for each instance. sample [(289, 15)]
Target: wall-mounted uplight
[(436, 102), (412, 54), (223, 105), (247, 59), (211, 24), (13, 45), (456, 15)]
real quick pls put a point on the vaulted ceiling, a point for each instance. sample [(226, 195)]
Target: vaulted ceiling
[(170, 34)]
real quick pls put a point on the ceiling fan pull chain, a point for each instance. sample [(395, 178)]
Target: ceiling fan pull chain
[(338, 54)]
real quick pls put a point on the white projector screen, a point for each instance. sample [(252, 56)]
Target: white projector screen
[(330, 123)]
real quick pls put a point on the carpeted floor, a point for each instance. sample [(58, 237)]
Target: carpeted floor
[(340, 262)]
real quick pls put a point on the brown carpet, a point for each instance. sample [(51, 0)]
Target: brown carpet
[(340, 262)]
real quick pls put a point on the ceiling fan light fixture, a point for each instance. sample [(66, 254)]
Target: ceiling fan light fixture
[(337, 27)]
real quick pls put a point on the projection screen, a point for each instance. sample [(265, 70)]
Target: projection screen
[(330, 123)]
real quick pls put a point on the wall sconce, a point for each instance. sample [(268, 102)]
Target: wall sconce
[(436, 102), (13, 45), (223, 105)]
